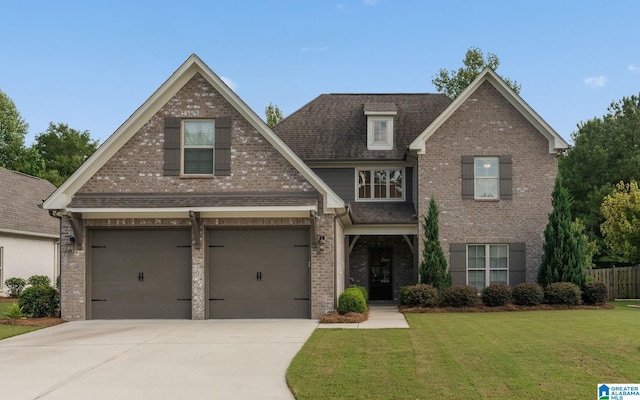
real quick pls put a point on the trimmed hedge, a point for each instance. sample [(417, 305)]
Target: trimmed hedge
[(16, 286), (35, 280), (496, 294), (39, 301), (527, 294), (563, 293), (594, 292), (459, 296), (421, 295), (352, 300)]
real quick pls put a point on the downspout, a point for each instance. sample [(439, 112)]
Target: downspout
[(335, 254)]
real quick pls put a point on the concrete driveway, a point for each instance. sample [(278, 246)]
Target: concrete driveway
[(153, 359)]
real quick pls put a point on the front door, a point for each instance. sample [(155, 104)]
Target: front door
[(380, 273)]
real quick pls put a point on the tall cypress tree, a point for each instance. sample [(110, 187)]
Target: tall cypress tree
[(564, 245), (433, 269)]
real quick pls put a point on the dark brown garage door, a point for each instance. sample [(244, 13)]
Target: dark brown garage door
[(140, 273), (259, 273)]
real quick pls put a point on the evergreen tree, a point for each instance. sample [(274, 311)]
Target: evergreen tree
[(433, 269), (563, 256)]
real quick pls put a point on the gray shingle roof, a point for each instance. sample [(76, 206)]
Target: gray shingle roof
[(334, 126), (20, 196), (383, 213), (182, 200)]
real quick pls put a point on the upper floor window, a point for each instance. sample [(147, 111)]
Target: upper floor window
[(487, 177), (380, 133), (380, 184), (198, 140)]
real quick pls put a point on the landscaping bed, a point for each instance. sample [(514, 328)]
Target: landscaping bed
[(507, 307)]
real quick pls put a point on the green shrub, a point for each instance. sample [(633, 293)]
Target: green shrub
[(362, 289), (39, 301), (563, 293), (421, 295), (352, 300), (496, 294), (594, 292), (459, 296), (58, 286), (527, 294), (36, 280), (15, 285), (14, 312)]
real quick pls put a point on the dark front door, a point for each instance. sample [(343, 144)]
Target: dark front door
[(380, 273)]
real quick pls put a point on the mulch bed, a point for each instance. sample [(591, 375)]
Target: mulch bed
[(349, 318), (46, 322), (508, 307)]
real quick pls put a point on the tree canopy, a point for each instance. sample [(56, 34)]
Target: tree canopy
[(13, 129), (621, 227), (606, 151), (453, 82), (273, 114), (63, 150)]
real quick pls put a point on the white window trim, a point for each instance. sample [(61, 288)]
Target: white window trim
[(182, 148), (371, 144), (387, 199), (475, 178), (488, 269)]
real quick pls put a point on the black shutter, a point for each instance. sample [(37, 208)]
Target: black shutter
[(505, 178), (171, 146), (223, 147), (458, 261), (517, 263), (468, 186)]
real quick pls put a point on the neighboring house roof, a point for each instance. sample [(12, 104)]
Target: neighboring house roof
[(193, 65), (20, 197), (334, 126), (556, 142)]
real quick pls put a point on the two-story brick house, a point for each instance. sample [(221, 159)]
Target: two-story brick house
[(195, 208)]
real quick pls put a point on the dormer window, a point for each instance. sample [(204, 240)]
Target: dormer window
[(380, 125)]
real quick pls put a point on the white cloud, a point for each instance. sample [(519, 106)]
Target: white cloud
[(633, 68), (370, 3), (341, 6), (595, 81), (229, 82)]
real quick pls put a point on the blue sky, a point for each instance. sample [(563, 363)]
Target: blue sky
[(91, 64)]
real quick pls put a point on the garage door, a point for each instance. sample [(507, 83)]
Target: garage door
[(259, 273), (140, 273)]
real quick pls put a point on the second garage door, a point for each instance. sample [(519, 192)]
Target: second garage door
[(140, 273), (259, 273)]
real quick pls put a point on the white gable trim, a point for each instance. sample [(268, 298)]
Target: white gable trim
[(556, 142), (62, 196)]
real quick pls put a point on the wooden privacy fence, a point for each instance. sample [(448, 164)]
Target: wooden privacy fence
[(623, 282)]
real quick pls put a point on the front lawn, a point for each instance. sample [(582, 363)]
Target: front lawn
[(7, 330), (512, 355)]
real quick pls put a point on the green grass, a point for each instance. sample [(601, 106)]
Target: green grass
[(7, 331), (511, 355)]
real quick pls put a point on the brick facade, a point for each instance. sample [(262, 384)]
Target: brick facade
[(256, 166), (487, 124)]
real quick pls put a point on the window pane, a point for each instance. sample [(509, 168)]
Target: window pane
[(486, 188), (477, 279), (476, 258), (380, 184), (198, 161), (364, 184), (198, 133), (395, 184), (498, 256), (498, 276), (487, 167), (380, 132)]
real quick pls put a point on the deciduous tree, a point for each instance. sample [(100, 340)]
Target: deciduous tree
[(13, 129), (453, 82), (621, 227)]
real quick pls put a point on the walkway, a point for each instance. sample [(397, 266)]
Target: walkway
[(381, 316)]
